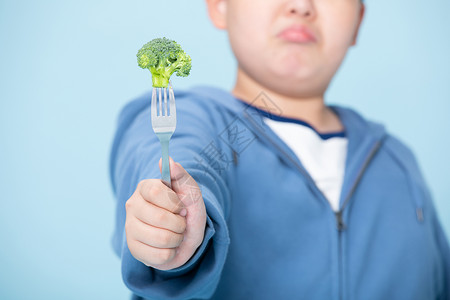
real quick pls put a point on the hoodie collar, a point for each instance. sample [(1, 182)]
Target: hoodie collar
[(364, 138)]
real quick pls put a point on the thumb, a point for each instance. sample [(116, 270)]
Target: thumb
[(182, 183)]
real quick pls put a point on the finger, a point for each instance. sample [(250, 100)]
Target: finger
[(160, 195), (154, 236), (159, 217), (149, 255), (183, 184)]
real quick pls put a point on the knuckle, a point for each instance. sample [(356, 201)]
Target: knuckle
[(141, 184), (128, 204), (180, 238), (165, 238), (176, 239), (165, 255), (182, 224), (161, 218), (153, 191), (145, 186)]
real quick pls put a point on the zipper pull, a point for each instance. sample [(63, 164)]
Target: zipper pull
[(339, 221), (235, 158), (419, 213)]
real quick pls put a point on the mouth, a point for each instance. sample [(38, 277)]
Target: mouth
[(297, 34)]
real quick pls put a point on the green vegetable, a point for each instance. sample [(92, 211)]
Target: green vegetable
[(163, 57)]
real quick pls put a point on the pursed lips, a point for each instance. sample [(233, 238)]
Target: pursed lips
[(297, 34)]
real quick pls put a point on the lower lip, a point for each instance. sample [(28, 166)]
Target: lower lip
[(296, 36)]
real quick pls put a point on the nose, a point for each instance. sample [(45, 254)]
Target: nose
[(303, 8)]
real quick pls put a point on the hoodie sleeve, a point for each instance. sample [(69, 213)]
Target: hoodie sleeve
[(445, 251), (440, 237), (442, 245), (134, 156), (407, 158)]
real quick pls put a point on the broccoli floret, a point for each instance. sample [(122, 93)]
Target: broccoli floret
[(163, 57)]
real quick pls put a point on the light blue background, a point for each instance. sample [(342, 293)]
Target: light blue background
[(68, 67)]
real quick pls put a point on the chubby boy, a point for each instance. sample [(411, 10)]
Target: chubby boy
[(275, 194)]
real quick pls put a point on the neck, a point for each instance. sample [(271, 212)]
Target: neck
[(311, 109)]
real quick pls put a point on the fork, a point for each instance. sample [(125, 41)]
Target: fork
[(164, 121)]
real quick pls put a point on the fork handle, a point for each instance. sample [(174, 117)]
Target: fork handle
[(164, 138)]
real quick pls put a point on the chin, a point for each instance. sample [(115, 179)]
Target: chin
[(295, 82), (293, 65), (292, 74)]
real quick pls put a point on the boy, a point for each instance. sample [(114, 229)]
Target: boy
[(275, 194)]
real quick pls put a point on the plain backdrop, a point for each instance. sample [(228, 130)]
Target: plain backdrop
[(68, 67)]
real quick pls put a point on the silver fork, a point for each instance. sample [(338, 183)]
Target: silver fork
[(164, 121)]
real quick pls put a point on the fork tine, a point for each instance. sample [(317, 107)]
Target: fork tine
[(153, 106), (160, 102), (173, 111), (165, 102)]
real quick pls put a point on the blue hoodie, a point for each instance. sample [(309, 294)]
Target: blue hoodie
[(270, 232)]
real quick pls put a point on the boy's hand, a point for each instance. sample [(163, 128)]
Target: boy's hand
[(164, 227)]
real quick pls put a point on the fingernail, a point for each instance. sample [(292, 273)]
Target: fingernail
[(183, 212)]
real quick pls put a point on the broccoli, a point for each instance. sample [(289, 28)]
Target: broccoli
[(163, 57)]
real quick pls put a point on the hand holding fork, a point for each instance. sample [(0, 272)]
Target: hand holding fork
[(165, 224)]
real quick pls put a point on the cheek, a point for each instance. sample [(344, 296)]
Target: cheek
[(338, 28), (247, 31)]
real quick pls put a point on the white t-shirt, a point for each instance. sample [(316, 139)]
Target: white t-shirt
[(322, 155)]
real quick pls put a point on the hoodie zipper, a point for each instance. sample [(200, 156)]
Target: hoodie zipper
[(340, 224), (339, 221)]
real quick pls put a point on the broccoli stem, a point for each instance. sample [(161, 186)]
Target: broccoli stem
[(160, 81)]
